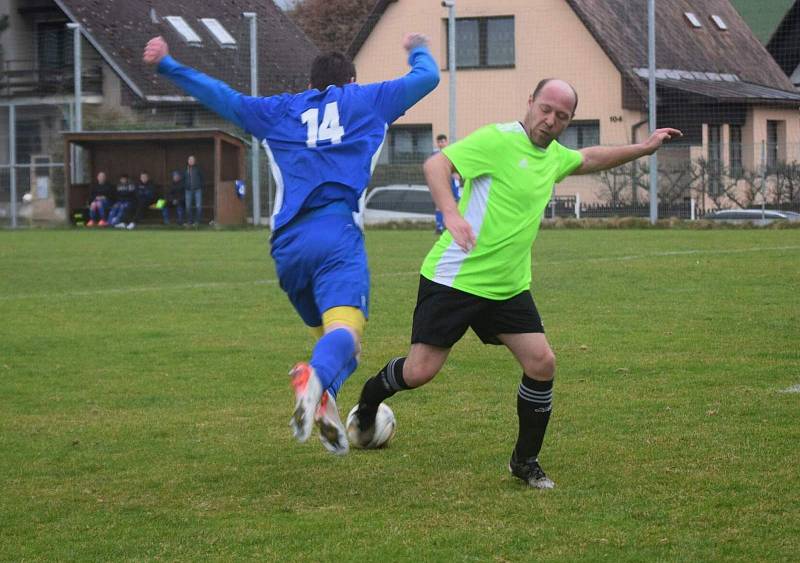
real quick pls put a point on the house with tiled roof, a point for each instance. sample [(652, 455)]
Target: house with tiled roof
[(715, 80), (118, 90)]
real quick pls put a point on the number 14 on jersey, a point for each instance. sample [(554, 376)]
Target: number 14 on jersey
[(328, 130)]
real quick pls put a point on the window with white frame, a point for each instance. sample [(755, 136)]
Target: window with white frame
[(186, 32), (719, 22), (693, 19), (218, 32)]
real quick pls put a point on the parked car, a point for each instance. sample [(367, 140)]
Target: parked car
[(399, 203), (756, 216)]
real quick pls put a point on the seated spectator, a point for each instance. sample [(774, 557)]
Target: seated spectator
[(174, 198), (125, 200), (100, 201), (145, 196)]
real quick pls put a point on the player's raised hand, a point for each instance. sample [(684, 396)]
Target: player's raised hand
[(659, 136), (414, 40), (155, 50), (460, 230)]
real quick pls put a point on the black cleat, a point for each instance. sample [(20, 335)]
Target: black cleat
[(531, 472)]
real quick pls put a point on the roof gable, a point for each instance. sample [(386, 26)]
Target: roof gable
[(119, 30), (369, 24)]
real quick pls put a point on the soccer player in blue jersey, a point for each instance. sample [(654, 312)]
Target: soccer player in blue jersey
[(322, 145)]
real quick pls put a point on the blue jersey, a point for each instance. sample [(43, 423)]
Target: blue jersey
[(323, 145)]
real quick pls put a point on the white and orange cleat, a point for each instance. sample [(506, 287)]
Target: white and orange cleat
[(308, 393), (332, 433)]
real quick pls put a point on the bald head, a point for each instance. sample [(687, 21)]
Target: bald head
[(550, 109), (558, 88)]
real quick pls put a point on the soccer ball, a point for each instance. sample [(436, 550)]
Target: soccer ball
[(28, 197), (385, 426)]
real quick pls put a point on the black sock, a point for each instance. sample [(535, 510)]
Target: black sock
[(386, 383), (534, 404)]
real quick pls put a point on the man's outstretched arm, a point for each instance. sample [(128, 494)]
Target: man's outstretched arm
[(424, 74), (213, 93), (597, 159), (392, 98)]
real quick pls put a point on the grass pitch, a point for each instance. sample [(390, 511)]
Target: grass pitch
[(144, 406)]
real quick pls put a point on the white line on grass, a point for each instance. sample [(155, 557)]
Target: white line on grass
[(678, 253), (144, 289), (227, 285), (792, 389)]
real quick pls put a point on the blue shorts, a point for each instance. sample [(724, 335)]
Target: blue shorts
[(322, 263)]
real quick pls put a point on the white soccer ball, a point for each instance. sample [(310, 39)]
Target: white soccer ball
[(28, 197), (385, 426)]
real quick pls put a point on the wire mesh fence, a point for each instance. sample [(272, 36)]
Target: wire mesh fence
[(731, 95)]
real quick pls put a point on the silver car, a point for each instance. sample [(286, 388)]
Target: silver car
[(399, 203), (755, 216)]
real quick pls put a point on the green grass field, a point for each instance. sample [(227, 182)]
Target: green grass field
[(144, 406)]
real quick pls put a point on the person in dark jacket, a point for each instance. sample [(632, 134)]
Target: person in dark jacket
[(193, 184), (174, 198), (145, 196), (124, 202), (100, 201)]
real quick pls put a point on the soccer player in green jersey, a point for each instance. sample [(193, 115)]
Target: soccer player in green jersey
[(478, 274)]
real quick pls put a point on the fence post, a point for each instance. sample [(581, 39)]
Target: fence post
[(451, 64), (763, 178), (77, 72), (577, 206), (651, 102), (255, 146), (12, 160), (692, 208), (77, 124)]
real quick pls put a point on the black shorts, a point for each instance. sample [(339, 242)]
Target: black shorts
[(443, 314)]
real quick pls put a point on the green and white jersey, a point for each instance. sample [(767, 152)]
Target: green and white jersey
[(508, 184)]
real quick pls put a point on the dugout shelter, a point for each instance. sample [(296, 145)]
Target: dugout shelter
[(220, 156)]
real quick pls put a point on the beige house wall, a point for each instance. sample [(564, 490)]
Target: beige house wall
[(485, 95), (550, 41), (755, 132), (498, 95)]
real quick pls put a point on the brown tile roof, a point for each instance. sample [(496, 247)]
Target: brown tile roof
[(620, 27), (120, 29)]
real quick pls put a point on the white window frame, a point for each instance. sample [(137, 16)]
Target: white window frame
[(693, 19), (218, 32), (184, 30), (719, 22)]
